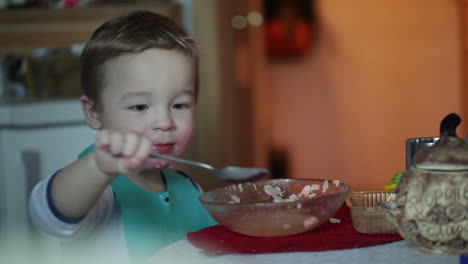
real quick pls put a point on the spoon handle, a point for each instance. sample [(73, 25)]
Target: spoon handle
[(189, 162)]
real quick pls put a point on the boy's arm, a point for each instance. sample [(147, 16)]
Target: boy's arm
[(77, 187)]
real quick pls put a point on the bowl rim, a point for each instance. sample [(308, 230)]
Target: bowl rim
[(346, 191)]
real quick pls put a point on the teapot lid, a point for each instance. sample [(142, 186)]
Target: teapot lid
[(448, 153)]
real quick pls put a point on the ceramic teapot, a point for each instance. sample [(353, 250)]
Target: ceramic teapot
[(431, 206)]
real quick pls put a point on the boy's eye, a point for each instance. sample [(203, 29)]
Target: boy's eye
[(180, 106), (139, 108)]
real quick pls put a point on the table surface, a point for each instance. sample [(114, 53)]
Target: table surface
[(397, 252)]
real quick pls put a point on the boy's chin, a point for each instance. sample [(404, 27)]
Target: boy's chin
[(157, 164)]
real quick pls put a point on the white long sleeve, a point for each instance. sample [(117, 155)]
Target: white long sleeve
[(100, 231), (46, 221)]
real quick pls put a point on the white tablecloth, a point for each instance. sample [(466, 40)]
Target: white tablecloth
[(401, 252)]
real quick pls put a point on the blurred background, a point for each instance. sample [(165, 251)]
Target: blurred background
[(307, 88)]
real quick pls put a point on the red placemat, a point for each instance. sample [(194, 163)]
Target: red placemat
[(217, 239)]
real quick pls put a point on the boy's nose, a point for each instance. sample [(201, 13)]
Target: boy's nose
[(163, 122)]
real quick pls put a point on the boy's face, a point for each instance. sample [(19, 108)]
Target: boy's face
[(151, 93)]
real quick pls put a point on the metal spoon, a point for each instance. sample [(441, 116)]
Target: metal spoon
[(230, 173)]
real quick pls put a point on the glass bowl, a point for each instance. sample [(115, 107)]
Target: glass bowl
[(275, 207)]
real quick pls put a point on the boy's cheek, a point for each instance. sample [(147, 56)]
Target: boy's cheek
[(184, 141), (187, 136), (187, 133)]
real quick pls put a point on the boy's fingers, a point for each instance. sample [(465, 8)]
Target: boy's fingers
[(116, 143), (143, 149), (129, 151), (102, 138), (131, 142)]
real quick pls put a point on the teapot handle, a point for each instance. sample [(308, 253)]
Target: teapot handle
[(448, 126)]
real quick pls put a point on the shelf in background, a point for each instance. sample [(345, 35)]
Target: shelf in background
[(23, 30)]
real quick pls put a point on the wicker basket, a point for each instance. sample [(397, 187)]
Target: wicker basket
[(367, 216)]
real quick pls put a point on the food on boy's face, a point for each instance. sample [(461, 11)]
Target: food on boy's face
[(162, 148), (157, 164)]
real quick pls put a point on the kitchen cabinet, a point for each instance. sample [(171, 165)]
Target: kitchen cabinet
[(36, 139)]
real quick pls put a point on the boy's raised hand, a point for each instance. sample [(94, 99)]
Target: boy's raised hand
[(119, 152)]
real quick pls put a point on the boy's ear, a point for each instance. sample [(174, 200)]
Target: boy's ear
[(90, 112)]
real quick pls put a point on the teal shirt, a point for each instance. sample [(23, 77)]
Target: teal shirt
[(154, 220)]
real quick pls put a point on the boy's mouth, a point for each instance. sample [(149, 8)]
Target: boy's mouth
[(164, 148)]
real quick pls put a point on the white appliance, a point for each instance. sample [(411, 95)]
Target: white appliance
[(36, 139)]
